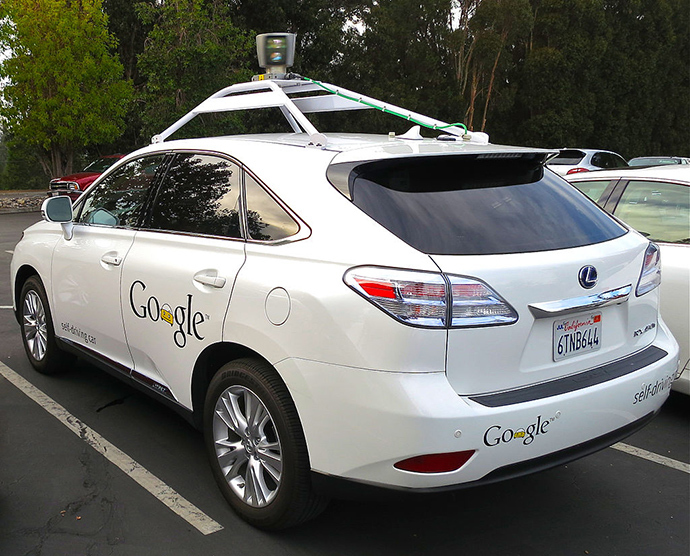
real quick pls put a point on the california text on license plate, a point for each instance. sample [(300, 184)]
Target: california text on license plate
[(576, 335)]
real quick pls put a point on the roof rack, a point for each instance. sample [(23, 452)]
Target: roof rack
[(284, 94)]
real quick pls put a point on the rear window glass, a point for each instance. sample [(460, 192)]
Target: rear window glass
[(567, 157), (463, 205)]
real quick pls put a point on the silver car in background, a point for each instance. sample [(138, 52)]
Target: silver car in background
[(574, 161)]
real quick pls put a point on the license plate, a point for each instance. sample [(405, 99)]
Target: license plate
[(576, 335)]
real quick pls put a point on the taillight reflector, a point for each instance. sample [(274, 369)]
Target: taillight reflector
[(435, 463)]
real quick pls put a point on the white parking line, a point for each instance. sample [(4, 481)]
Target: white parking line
[(185, 509), (651, 456), (9, 251), (5, 306)]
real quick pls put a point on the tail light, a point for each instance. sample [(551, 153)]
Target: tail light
[(476, 304), (576, 171), (430, 300), (650, 277)]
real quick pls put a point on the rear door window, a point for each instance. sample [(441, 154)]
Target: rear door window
[(464, 205), (658, 210)]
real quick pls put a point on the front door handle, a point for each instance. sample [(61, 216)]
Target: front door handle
[(209, 278), (111, 259)]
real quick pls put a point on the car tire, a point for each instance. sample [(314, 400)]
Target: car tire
[(257, 448), (38, 334)]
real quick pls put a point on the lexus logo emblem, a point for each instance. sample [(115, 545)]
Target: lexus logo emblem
[(588, 277)]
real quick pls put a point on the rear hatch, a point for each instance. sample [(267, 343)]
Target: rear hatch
[(563, 272)]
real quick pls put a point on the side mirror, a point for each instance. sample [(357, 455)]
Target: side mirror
[(59, 209)]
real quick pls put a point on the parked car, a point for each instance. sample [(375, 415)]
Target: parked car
[(642, 161), (73, 184), (573, 161), (349, 311), (656, 202)]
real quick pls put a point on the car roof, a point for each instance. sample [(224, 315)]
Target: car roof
[(679, 173), (587, 151), (292, 150)]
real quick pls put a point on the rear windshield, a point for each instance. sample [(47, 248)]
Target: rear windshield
[(653, 161), (567, 157), (466, 205)]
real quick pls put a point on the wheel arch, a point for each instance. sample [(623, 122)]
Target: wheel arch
[(23, 274), (211, 359)]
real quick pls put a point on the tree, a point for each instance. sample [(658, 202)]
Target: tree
[(192, 51), (403, 56), (498, 26), (65, 89)]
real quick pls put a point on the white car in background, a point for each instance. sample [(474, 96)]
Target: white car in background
[(369, 311), (656, 202), (645, 161), (574, 161)]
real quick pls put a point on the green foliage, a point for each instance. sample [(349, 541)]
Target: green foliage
[(192, 51), (402, 56), (603, 74), (65, 90), (19, 166)]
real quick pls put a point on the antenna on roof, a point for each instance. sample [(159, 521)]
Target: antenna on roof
[(276, 53)]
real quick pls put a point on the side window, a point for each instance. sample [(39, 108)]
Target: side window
[(118, 199), (593, 189), (266, 219), (201, 195), (659, 210), (598, 160)]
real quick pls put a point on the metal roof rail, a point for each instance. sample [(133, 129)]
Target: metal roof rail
[(276, 93)]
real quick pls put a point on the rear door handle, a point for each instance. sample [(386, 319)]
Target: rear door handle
[(209, 278), (112, 259)]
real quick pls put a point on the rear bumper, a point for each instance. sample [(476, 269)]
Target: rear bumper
[(682, 383), (358, 423), (345, 488)]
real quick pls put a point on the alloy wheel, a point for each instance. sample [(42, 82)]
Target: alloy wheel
[(247, 446)]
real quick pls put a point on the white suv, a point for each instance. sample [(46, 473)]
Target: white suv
[(372, 311)]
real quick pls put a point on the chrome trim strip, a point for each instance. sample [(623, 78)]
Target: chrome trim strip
[(580, 304)]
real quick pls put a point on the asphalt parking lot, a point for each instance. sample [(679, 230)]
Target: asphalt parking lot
[(89, 466)]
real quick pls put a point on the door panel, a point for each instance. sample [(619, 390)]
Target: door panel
[(170, 315), (86, 287), (87, 268)]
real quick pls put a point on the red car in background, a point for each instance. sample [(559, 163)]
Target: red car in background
[(74, 184)]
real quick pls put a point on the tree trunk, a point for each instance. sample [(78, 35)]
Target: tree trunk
[(58, 161), (491, 85), (469, 115)]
